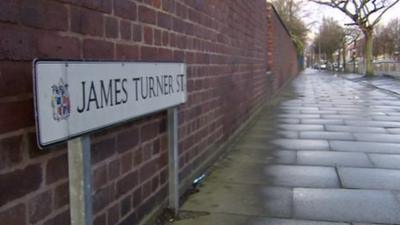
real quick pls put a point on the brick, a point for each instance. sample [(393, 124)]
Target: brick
[(165, 38), (86, 21), (57, 169), (164, 20), (127, 183), (15, 78), (126, 162), (147, 15), (102, 198), (157, 37), (113, 214), (137, 32), (19, 183), (179, 56), (127, 52), (11, 151), (99, 177), (137, 198), (156, 147), (40, 207), (165, 54), (16, 115), (125, 205), (114, 169), (125, 9), (98, 5), (126, 30), (147, 151), (44, 14), (61, 219), (100, 220), (9, 11), (149, 131), (148, 35), (130, 219), (147, 189), (13, 216), (163, 177), (155, 183), (138, 157), (33, 149), (96, 49), (54, 46), (103, 150), (168, 5), (181, 11), (61, 195), (147, 170), (148, 53), (156, 3), (111, 27), (16, 43)]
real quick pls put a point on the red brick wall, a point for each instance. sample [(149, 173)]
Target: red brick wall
[(225, 46), (282, 62)]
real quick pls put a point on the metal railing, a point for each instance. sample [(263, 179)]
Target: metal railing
[(381, 68)]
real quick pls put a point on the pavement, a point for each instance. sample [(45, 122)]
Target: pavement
[(327, 154), (387, 83)]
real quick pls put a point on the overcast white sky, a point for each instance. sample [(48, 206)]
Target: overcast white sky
[(317, 12)]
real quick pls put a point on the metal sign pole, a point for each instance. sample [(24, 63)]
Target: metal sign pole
[(173, 201), (79, 168)]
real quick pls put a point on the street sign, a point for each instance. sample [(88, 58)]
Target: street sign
[(76, 97)]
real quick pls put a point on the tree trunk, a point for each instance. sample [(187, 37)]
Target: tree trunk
[(344, 57), (368, 56)]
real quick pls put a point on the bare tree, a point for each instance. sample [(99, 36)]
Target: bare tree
[(365, 14), (351, 35), (290, 13), (330, 38)]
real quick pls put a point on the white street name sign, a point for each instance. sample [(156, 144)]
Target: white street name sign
[(76, 97)]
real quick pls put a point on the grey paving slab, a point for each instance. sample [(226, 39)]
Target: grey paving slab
[(330, 158), (386, 138), (300, 116), (387, 161), (339, 116), (326, 135), (393, 130), (387, 118), (301, 127), (367, 224), (365, 178), (370, 123), (371, 147), (323, 121), (299, 144), (302, 176), (370, 206), (251, 200), (275, 175), (318, 112), (359, 129)]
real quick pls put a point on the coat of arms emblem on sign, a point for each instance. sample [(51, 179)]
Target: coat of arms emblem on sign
[(60, 101)]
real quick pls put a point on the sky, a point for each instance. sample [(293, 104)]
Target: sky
[(317, 12)]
